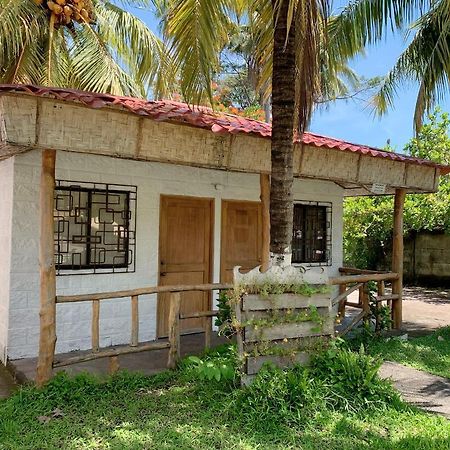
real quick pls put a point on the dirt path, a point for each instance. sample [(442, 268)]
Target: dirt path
[(425, 309), (421, 389)]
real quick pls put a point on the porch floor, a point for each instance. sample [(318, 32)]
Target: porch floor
[(149, 362)]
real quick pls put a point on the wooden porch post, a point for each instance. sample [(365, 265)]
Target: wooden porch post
[(264, 181), (47, 313), (397, 257)]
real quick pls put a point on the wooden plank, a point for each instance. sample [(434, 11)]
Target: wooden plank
[(95, 325), (341, 308), (381, 291), (142, 291), (365, 298), (208, 331), (254, 302), (174, 330), (47, 313), (355, 271), (106, 353), (345, 293), (354, 305), (239, 331), (382, 298), (113, 365), (255, 363), (323, 311), (397, 256), (291, 345), (363, 278), (134, 320), (264, 181), (287, 331), (199, 314), (352, 324)]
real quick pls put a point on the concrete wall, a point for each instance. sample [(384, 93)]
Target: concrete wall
[(427, 259), (152, 180), (6, 203)]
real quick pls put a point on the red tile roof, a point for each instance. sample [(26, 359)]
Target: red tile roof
[(204, 117)]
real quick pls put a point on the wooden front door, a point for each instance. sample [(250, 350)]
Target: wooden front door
[(241, 237), (185, 256)]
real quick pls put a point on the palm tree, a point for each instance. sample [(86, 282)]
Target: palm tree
[(92, 45), (425, 61), (291, 37)]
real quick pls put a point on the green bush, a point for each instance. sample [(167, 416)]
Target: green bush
[(352, 379), (338, 380), (368, 220)]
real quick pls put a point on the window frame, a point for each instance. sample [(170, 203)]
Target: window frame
[(327, 261), (130, 223)]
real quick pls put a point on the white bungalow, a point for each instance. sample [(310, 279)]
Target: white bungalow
[(155, 193)]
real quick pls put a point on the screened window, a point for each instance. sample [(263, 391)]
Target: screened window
[(94, 227), (311, 240)]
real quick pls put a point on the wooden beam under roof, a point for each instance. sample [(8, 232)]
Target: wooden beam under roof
[(46, 123)]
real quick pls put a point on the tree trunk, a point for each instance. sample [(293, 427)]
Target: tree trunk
[(283, 119)]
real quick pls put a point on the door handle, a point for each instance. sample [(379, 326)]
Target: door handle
[(163, 274)]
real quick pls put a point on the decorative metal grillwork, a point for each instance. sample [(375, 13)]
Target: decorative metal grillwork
[(95, 227), (311, 240)]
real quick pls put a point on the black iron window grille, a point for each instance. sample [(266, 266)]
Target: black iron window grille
[(311, 239), (95, 227)]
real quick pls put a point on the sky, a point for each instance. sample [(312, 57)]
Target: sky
[(355, 121)]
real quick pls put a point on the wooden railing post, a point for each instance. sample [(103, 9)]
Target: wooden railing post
[(365, 300), (265, 206), (341, 310), (47, 313), (397, 257), (174, 329), (381, 291), (113, 364), (95, 325), (134, 321), (208, 330)]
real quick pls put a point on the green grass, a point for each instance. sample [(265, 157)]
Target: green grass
[(429, 353), (176, 410)]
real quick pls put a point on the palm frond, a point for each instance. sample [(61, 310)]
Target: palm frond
[(197, 32), (425, 61), (133, 43), (364, 22), (94, 68), (21, 22)]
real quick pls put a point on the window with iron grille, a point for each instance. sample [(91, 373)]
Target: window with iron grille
[(94, 227), (311, 240)]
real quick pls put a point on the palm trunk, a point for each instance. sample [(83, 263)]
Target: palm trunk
[(282, 150)]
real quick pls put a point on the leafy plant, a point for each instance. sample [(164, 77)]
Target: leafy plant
[(218, 365), (353, 379), (368, 220), (223, 318)]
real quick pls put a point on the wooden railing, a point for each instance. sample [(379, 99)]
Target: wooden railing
[(173, 343), (352, 280)]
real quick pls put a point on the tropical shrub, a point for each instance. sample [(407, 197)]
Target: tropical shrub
[(368, 220)]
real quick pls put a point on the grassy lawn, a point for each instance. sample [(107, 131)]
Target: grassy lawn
[(178, 410), (429, 353)]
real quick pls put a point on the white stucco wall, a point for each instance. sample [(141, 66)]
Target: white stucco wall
[(6, 203), (152, 180)]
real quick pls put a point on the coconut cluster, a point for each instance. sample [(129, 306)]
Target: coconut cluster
[(66, 11)]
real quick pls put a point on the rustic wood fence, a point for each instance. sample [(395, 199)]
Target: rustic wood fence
[(350, 281), (280, 329), (134, 347), (353, 280)]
